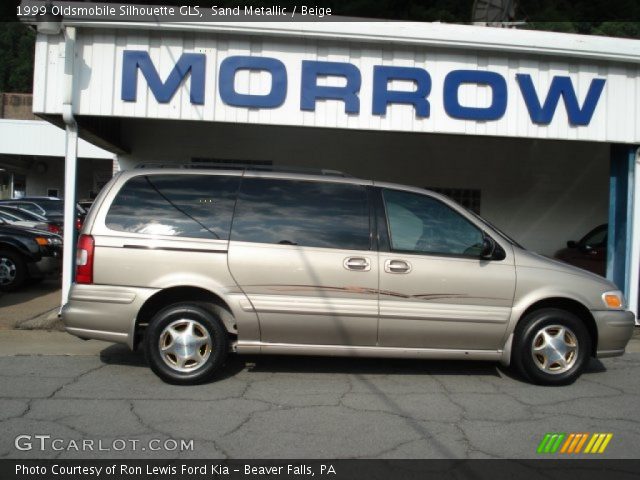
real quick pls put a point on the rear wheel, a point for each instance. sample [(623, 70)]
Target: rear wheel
[(186, 344), (552, 347), (13, 270)]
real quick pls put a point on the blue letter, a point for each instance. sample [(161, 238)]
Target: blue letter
[(560, 87), (495, 81), (311, 91), (188, 62), (230, 66), (383, 97)]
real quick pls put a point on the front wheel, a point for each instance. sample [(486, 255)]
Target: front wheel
[(13, 270), (551, 347), (185, 344)]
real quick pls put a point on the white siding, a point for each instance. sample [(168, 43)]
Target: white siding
[(99, 63)]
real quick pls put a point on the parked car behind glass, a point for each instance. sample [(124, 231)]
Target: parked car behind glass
[(589, 253), (200, 263)]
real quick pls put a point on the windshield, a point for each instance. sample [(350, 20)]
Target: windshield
[(493, 227)]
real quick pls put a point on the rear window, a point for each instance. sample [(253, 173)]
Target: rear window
[(198, 206)]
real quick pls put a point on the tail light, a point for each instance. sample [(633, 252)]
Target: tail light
[(84, 259), (78, 223), (53, 228)]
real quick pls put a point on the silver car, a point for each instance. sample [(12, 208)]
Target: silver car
[(198, 263)]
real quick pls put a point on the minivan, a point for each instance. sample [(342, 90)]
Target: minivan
[(196, 263)]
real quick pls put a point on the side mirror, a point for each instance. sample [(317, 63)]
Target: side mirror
[(572, 244), (488, 248)]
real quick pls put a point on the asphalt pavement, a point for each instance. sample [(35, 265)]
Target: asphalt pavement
[(297, 407)]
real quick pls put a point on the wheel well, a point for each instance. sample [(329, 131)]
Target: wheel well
[(572, 306), (172, 295), (14, 249)]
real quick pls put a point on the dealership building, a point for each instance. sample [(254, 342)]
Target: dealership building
[(536, 131)]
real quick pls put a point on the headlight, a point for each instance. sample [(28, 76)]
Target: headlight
[(613, 299), (44, 241)]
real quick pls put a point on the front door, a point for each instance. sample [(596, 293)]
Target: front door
[(435, 290), (301, 251)]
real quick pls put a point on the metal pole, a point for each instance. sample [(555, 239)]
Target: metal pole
[(634, 264), (70, 166)]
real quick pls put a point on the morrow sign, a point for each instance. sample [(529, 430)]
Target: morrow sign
[(541, 105)]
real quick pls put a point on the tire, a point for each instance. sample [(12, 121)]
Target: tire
[(182, 356), (551, 327), (13, 270)]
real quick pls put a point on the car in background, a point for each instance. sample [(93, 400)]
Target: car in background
[(27, 254), (86, 203), (23, 218), (52, 208), (589, 253)]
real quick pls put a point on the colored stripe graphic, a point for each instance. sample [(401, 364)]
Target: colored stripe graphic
[(573, 443), (551, 442), (598, 443)]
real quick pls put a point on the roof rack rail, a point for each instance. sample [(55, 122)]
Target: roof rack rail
[(245, 167)]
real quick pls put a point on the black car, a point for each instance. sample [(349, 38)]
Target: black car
[(25, 254)]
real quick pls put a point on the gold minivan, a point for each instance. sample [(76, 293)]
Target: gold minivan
[(196, 263)]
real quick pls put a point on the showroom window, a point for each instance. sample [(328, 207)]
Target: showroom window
[(422, 224), (469, 198), (198, 206), (311, 214)]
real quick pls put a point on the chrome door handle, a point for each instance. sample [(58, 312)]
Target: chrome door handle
[(397, 266), (359, 264)]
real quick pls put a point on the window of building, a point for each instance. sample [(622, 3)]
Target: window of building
[(469, 198), (230, 164), (312, 214), (421, 224), (199, 206)]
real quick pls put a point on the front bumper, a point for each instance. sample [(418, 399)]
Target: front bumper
[(104, 312), (45, 266), (615, 328)]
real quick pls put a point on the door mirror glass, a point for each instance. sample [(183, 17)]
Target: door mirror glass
[(572, 244), (488, 248)]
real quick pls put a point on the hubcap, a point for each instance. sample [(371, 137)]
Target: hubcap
[(185, 345), (7, 271), (555, 349)]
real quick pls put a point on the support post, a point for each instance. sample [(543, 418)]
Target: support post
[(622, 208), (70, 170), (634, 273), (70, 166)]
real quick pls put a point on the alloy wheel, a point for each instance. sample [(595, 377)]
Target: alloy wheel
[(554, 349), (185, 345)]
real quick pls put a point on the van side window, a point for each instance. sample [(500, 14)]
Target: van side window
[(198, 206), (311, 214), (422, 224)]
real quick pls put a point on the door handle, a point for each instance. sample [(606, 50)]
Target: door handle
[(358, 264), (397, 266)]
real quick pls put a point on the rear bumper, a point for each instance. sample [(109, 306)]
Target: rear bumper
[(104, 312), (615, 328)]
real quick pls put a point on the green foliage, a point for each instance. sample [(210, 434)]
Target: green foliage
[(17, 41), (17, 44)]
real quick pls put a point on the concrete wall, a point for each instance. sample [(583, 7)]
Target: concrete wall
[(17, 106), (541, 192), (43, 173)]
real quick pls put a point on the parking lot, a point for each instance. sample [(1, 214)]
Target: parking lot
[(292, 407)]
